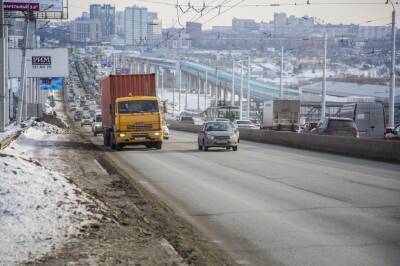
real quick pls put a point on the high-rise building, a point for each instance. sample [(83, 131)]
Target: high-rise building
[(119, 23), (153, 33), (106, 15), (85, 31), (136, 20)]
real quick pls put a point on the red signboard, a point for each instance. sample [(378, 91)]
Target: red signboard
[(21, 6)]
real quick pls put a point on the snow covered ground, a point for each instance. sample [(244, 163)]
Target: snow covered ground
[(10, 130), (39, 208)]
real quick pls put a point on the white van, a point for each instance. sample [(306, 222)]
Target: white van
[(369, 118)]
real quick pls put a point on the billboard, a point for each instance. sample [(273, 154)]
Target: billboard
[(34, 5), (40, 63), (51, 83)]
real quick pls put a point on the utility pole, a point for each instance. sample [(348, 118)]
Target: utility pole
[(3, 73), (205, 91), (323, 98), (180, 88), (392, 70), (233, 84), (21, 115), (162, 83), (248, 87), (216, 87), (198, 93), (189, 79), (241, 93), (281, 74)]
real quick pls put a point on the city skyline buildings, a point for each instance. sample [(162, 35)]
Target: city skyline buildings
[(324, 10)]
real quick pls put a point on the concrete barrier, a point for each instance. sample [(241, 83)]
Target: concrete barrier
[(377, 149)]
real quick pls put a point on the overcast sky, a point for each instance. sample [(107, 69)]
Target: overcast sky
[(325, 10)]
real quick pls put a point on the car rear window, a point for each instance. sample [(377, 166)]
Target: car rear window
[(222, 126), (338, 124)]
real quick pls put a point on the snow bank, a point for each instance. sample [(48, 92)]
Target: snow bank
[(10, 130), (39, 208), (47, 128)]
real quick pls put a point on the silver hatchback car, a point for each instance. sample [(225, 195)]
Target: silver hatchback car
[(218, 134)]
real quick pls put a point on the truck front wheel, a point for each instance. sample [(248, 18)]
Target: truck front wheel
[(112, 141), (158, 145), (106, 137)]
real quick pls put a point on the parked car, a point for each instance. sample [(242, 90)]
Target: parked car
[(97, 124), (336, 126), (165, 130), (86, 120), (217, 134), (245, 124), (78, 115)]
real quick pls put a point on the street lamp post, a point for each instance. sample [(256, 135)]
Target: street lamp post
[(233, 84), (323, 96), (392, 70)]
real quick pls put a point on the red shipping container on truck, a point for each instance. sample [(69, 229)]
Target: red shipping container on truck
[(117, 86)]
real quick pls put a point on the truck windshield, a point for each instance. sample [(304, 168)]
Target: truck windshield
[(139, 106)]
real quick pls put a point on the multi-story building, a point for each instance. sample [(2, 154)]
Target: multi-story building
[(374, 32), (119, 23), (244, 25), (193, 29), (106, 15), (176, 38), (85, 31), (153, 32), (136, 20)]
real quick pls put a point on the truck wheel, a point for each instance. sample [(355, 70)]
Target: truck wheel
[(112, 141), (119, 147), (158, 145), (106, 137), (235, 148), (200, 147)]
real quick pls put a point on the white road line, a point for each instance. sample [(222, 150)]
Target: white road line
[(101, 167)]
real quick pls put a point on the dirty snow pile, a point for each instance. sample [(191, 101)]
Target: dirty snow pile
[(48, 128), (39, 207)]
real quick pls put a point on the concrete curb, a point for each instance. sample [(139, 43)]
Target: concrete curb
[(376, 149)]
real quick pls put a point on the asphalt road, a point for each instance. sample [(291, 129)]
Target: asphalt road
[(272, 205)]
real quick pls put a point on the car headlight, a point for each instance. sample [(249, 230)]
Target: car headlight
[(233, 137), (157, 133), (122, 135), (210, 137)]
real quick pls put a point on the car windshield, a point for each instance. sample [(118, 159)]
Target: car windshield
[(139, 106), (218, 127), (86, 116), (243, 122), (98, 118)]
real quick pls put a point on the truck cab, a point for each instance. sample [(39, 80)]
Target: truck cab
[(138, 120)]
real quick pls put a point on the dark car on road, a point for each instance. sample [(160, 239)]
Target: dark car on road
[(78, 115), (336, 126), (218, 134)]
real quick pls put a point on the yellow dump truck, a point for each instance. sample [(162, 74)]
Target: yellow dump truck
[(130, 110)]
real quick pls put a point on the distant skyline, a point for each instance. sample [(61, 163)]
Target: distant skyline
[(324, 10)]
